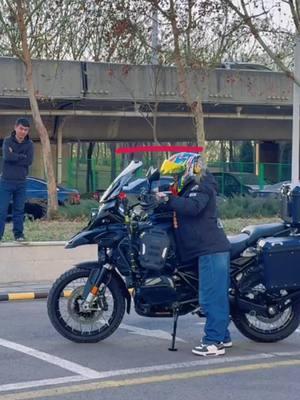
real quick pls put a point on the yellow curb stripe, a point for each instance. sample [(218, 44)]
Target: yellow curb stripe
[(64, 390), (29, 295), (21, 296)]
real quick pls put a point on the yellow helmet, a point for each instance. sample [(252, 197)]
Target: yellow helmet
[(183, 165)]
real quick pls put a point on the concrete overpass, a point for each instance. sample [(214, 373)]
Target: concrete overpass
[(89, 101), (100, 101)]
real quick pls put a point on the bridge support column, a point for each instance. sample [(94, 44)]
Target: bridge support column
[(257, 158), (270, 156), (59, 155), (59, 141)]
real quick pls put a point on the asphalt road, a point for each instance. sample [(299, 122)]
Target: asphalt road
[(135, 364)]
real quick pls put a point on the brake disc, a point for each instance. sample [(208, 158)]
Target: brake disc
[(74, 308)]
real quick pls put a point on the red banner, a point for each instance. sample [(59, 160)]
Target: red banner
[(145, 149)]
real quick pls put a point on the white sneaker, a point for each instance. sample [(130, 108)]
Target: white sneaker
[(227, 345), (214, 349)]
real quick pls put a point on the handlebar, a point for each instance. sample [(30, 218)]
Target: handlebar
[(148, 201)]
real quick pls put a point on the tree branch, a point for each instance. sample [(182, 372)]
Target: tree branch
[(248, 21)]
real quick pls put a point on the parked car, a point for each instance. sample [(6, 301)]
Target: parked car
[(242, 183), (243, 65), (234, 184), (229, 184), (134, 188), (140, 184), (37, 197), (36, 188), (273, 190)]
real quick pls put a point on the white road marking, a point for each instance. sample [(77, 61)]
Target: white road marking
[(86, 374), (286, 353), (60, 362), (185, 364), (42, 383), (156, 333), (134, 371)]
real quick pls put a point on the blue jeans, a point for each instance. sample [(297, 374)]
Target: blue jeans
[(15, 191), (213, 296)]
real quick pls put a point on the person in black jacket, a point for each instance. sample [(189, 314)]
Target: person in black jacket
[(199, 234), (17, 152)]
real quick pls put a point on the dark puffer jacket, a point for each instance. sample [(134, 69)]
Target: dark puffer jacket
[(199, 231), (17, 157)]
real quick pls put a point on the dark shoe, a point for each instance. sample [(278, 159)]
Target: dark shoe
[(213, 349), (20, 239)]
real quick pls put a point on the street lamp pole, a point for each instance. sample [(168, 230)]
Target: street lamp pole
[(154, 58), (296, 115)]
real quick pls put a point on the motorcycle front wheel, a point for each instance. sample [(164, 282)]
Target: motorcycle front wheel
[(267, 329), (84, 326)]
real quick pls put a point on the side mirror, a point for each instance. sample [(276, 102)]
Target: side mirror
[(152, 174)]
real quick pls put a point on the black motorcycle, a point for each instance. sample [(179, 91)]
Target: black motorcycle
[(137, 261)]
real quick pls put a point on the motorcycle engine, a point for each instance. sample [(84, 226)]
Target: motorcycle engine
[(155, 297)]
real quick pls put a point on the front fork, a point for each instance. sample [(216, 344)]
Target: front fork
[(91, 289)]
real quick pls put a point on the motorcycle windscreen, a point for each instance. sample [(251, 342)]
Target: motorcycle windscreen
[(121, 180)]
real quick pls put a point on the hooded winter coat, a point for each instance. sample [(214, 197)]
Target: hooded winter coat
[(198, 230), (17, 157)]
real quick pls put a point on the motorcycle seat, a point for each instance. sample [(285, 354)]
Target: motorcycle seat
[(255, 232), (238, 244)]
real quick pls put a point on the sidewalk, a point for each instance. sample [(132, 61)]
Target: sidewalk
[(24, 291), (17, 287), (37, 264)]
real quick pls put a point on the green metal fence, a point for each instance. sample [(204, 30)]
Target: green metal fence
[(100, 176), (227, 173), (260, 175)]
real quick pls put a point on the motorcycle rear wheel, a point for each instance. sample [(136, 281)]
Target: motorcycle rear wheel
[(84, 326), (267, 330)]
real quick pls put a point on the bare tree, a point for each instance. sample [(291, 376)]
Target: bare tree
[(273, 25), (18, 16), (169, 10), (196, 34)]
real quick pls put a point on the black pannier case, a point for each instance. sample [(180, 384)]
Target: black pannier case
[(290, 204), (281, 262)]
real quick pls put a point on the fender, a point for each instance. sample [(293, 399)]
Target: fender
[(104, 235), (84, 237), (90, 265)]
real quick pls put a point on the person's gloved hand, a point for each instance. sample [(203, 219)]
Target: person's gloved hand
[(161, 197)]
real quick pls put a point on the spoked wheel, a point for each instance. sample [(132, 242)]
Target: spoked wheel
[(268, 329), (84, 325)]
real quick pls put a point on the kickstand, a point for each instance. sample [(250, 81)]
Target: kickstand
[(175, 319)]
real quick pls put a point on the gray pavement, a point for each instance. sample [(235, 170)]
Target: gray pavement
[(135, 363)]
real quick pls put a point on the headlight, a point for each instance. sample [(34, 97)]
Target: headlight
[(94, 213)]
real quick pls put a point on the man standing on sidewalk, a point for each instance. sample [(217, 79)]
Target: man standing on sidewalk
[(17, 152)]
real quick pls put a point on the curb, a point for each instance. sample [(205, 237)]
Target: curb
[(29, 295)]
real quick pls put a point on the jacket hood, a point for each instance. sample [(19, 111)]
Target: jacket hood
[(207, 181)]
